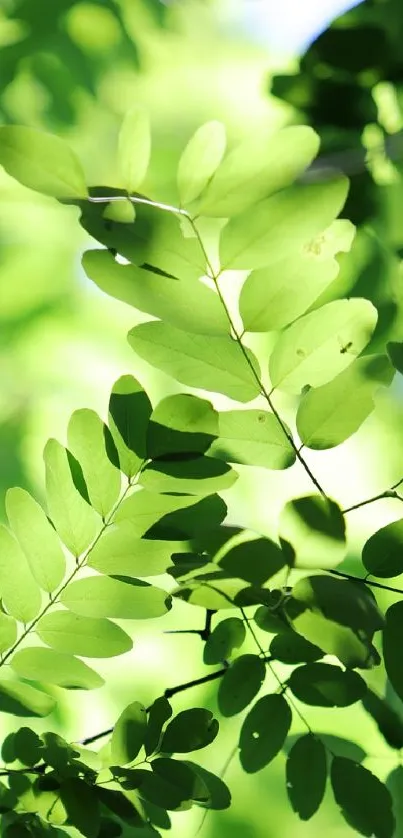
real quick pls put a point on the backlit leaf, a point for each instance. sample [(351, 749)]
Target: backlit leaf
[(382, 554), (197, 520), (392, 645), (129, 734), (24, 700), (129, 413), (240, 684), (195, 476), (219, 796), (181, 424), (227, 636), (43, 664), (82, 806), (143, 509), (86, 636), (159, 713), (134, 147), (8, 631), (364, 801), (389, 723), (325, 685), (263, 732), (87, 439), (27, 746), (316, 529), (189, 730), (19, 590), (37, 538), (41, 162), (120, 553), (200, 159), (255, 560), (306, 772), (289, 647), (105, 596), (254, 438)]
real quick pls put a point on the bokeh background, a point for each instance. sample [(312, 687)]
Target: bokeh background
[(74, 68)]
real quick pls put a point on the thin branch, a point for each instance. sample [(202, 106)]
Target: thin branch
[(366, 581), (388, 493)]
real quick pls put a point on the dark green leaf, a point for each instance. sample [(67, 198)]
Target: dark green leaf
[(87, 636), (218, 794), (392, 646), (129, 413), (289, 647), (364, 801), (395, 352), (27, 746), (143, 509), (254, 438), (315, 527), (240, 684), (256, 560), (41, 162), (197, 521), (306, 772), (159, 791), (394, 784), (382, 554), (40, 663), (82, 807), (263, 732), (129, 734), (325, 685), (105, 596), (196, 476), (343, 747), (227, 636), (159, 713), (181, 775), (189, 731), (181, 424), (387, 720)]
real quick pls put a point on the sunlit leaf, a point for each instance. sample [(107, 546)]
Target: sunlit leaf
[(330, 414), (227, 636), (255, 560), (215, 593), (143, 509), (254, 438), (219, 796), (189, 730), (87, 439), (41, 162), (216, 364), (181, 424), (129, 734), (263, 732), (8, 631), (124, 598), (121, 553), (322, 344), (134, 147), (315, 527), (364, 801), (43, 664), (77, 635), (197, 520), (37, 538), (24, 700), (19, 590), (325, 685), (240, 684), (382, 554), (306, 772), (82, 806), (200, 159), (129, 413), (196, 476)]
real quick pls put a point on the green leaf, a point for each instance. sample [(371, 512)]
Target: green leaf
[(394, 784), (188, 305), (261, 164), (129, 413), (256, 560), (75, 521), (330, 414), (88, 440), (105, 596), (42, 664), (195, 476), (261, 236), (24, 700), (382, 554), (199, 160), (19, 591), (27, 746), (263, 732), (159, 713), (289, 647), (41, 162), (389, 723), (86, 636), (316, 529), (143, 509), (322, 344), (37, 538), (364, 801), (219, 795), (181, 424), (157, 790), (341, 747), (274, 296), (190, 730), (196, 521), (325, 685), (392, 645), (240, 684), (216, 364), (8, 631), (181, 775), (306, 772), (129, 734), (395, 352), (216, 593), (120, 553), (227, 636), (82, 806), (134, 147), (254, 438)]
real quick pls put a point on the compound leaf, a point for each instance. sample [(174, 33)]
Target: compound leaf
[(200, 159), (124, 598), (240, 684), (129, 734), (86, 636), (227, 636), (181, 424), (254, 438), (129, 413), (364, 801), (41, 162), (263, 732), (19, 590), (87, 439), (306, 772), (37, 538), (42, 664)]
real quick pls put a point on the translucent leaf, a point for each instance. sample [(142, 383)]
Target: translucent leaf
[(19, 591), (395, 352), (325, 685), (271, 618), (41, 162), (129, 734), (189, 731), (196, 521), (143, 509), (364, 801), (214, 593), (392, 646), (263, 732), (306, 772), (195, 476), (134, 148), (42, 664), (240, 684), (181, 424), (188, 305), (159, 713), (105, 596), (129, 413), (330, 414), (254, 438), (316, 529), (24, 700), (88, 439), (256, 560), (75, 521), (37, 538), (274, 296), (389, 723), (27, 746), (82, 806), (216, 364), (227, 636), (289, 647), (394, 784), (219, 795), (200, 159), (382, 554), (86, 636), (322, 344), (261, 236), (261, 164), (8, 631), (121, 553)]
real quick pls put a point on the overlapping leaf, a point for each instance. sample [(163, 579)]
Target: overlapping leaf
[(124, 598), (43, 664), (86, 636), (365, 802), (200, 159), (129, 413), (240, 684), (315, 528), (41, 162), (88, 440), (253, 438)]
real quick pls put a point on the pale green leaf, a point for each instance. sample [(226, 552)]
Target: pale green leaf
[(23, 700), (134, 148), (19, 590), (41, 162), (86, 636), (262, 164), (216, 364), (200, 159), (121, 553), (37, 538), (214, 594), (144, 509), (322, 344), (104, 596), (261, 236), (227, 636), (253, 438), (37, 663), (8, 631), (129, 734), (88, 440), (275, 295), (196, 476), (330, 414), (181, 424), (129, 413), (75, 521), (316, 529)]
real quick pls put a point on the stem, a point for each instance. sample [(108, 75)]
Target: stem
[(388, 493), (366, 581)]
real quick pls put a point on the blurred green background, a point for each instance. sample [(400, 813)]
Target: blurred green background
[(75, 68)]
